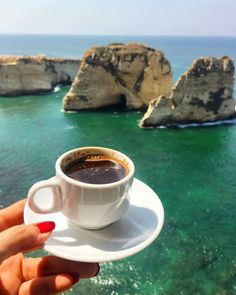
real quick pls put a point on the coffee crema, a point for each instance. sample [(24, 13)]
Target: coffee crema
[(96, 169)]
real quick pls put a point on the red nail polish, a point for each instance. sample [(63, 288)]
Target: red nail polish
[(46, 226)]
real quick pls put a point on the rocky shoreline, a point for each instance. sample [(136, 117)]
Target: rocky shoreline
[(204, 93), (20, 75), (133, 76)]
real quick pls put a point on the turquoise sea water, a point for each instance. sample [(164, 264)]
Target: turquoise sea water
[(192, 170)]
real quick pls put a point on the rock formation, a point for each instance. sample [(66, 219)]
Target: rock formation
[(131, 75), (204, 93), (28, 75)]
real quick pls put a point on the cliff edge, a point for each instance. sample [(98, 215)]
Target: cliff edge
[(130, 75), (34, 74), (202, 94)]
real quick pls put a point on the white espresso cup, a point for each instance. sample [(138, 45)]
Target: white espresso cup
[(90, 205)]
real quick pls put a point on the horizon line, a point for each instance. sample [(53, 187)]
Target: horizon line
[(115, 35)]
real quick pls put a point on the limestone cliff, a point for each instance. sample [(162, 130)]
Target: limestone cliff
[(204, 93), (130, 74), (34, 74)]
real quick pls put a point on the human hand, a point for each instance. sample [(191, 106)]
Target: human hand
[(33, 276)]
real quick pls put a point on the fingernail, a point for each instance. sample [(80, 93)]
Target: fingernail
[(46, 226), (97, 270)]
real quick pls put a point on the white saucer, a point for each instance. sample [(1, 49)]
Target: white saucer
[(134, 232)]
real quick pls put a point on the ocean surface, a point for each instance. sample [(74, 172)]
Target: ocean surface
[(193, 171)]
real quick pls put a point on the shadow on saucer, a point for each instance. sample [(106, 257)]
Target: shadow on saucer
[(138, 225)]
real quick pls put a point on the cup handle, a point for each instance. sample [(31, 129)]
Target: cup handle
[(55, 206)]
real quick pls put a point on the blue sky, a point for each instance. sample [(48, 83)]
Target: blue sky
[(119, 17)]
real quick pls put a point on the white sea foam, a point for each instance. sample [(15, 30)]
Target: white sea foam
[(216, 123), (68, 112), (57, 88), (69, 127), (205, 124)]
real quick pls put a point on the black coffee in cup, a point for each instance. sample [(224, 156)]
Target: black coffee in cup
[(96, 169)]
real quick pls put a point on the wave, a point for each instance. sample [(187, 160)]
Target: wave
[(68, 112), (215, 123), (68, 127), (56, 88), (194, 125)]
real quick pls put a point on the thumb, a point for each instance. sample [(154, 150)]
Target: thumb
[(21, 238)]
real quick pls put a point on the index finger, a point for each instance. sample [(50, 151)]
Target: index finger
[(12, 215)]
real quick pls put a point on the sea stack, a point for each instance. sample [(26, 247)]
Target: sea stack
[(34, 74), (130, 75), (204, 93)]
